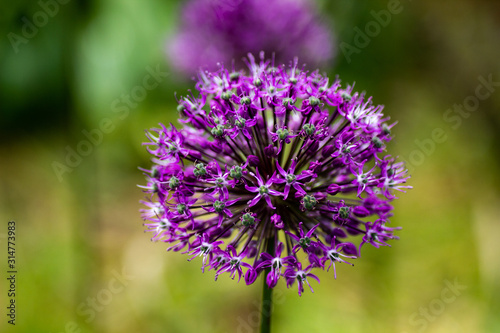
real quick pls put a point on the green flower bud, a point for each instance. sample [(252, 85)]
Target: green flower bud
[(282, 133), (245, 100), (226, 95), (155, 173), (219, 206), (218, 131), (181, 208), (174, 182), (240, 122), (305, 242), (263, 190), (309, 202), (309, 129), (346, 96), (172, 148), (386, 129), (234, 76), (377, 142), (236, 172), (219, 182), (313, 101), (344, 212), (290, 178), (199, 170), (247, 219), (287, 101)]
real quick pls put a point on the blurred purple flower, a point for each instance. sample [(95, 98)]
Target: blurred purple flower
[(214, 191), (213, 31)]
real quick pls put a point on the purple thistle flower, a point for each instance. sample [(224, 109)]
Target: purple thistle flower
[(249, 203), (213, 31)]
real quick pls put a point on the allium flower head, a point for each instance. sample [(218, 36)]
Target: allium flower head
[(214, 31), (273, 170)]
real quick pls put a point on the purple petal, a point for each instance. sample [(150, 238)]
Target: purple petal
[(280, 169), (287, 190), (254, 201), (269, 203), (252, 188)]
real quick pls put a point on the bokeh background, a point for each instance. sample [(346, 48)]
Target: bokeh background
[(84, 263)]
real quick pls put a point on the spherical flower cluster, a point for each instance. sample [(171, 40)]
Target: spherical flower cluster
[(274, 171), (214, 31)]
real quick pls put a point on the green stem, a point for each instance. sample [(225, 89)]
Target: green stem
[(267, 299), (267, 295)]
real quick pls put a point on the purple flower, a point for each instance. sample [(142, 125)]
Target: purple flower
[(282, 135), (303, 240), (275, 263), (377, 234), (160, 223), (263, 190), (295, 272), (233, 263), (251, 203), (214, 31), (290, 179), (220, 182), (205, 249), (333, 254), (220, 208), (277, 221)]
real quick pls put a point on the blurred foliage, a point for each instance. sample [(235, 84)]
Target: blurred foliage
[(78, 230)]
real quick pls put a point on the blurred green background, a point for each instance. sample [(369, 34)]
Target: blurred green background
[(84, 263)]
